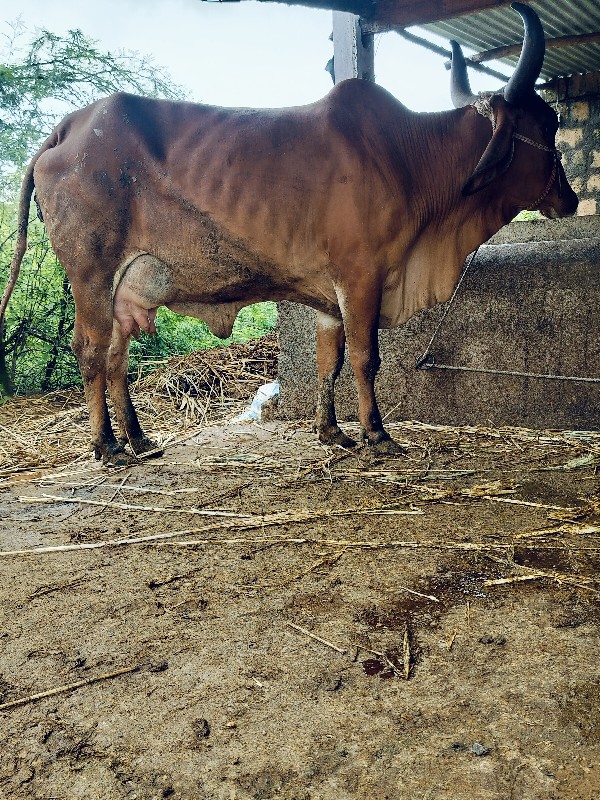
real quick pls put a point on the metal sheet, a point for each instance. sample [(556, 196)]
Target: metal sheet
[(495, 28)]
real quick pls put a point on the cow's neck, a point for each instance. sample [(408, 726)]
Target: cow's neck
[(450, 225), (450, 146)]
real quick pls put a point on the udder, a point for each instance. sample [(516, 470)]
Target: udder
[(144, 286), (146, 283)]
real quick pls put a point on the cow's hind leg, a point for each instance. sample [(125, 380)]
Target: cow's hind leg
[(91, 341), (361, 320), (331, 341), (118, 389)]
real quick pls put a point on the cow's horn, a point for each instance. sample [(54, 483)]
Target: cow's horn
[(531, 59), (460, 89)]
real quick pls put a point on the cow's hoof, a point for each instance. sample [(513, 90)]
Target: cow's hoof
[(387, 447), (118, 458), (146, 447), (335, 437)]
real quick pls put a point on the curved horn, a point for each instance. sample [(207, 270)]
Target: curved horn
[(460, 89), (531, 59)]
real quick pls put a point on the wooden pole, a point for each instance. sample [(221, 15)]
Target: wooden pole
[(353, 51)]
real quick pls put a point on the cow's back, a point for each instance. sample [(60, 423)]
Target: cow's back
[(130, 172)]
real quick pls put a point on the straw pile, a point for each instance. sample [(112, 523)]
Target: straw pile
[(210, 383), (49, 430)]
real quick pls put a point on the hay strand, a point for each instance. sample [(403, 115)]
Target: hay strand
[(69, 687), (406, 653), (316, 638)]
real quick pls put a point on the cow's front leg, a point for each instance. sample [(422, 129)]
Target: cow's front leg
[(90, 345), (118, 389), (331, 341), (361, 324)]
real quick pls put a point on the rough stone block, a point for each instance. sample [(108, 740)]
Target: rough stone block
[(593, 184), (569, 136), (580, 111), (577, 185), (587, 207)]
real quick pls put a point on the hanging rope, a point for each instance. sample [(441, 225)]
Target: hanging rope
[(427, 360)]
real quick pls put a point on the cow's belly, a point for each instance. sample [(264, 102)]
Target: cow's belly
[(144, 282)]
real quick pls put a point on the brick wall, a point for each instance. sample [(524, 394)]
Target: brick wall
[(577, 99)]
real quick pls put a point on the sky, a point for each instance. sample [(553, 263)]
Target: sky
[(239, 54)]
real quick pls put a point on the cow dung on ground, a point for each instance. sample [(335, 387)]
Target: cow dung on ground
[(254, 615)]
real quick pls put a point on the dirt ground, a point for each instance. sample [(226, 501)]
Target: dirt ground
[(291, 621)]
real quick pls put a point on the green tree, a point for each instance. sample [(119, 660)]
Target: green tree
[(45, 76)]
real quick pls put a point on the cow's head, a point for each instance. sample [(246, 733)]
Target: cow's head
[(524, 130)]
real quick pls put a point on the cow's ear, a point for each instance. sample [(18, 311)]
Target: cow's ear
[(498, 154)]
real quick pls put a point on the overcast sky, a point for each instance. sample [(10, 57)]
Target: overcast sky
[(239, 54)]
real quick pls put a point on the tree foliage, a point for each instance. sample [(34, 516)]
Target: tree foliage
[(40, 323)]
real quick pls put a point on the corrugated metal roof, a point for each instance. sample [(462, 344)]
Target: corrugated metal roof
[(502, 26)]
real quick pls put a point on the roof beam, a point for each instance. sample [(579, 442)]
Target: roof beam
[(515, 49), (361, 8), (435, 48), (403, 13)]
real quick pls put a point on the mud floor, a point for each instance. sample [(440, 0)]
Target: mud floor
[(254, 616)]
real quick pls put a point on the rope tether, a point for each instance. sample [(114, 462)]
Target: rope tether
[(427, 360)]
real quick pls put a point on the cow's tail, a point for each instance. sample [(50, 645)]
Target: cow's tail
[(27, 188)]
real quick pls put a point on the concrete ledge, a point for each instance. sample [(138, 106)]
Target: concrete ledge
[(548, 230), (527, 307)]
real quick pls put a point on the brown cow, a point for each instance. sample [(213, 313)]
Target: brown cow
[(353, 205)]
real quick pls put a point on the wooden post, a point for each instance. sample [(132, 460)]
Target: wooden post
[(353, 51)]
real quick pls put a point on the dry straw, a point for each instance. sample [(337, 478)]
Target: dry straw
[(69, 687), (51, 430)]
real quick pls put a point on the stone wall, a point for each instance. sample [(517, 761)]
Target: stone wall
[(530, 303), (577, 99)]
